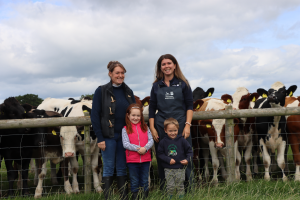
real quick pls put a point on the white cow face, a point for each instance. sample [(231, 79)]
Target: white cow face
[(68, 138)]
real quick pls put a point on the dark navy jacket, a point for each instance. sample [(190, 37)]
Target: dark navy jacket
[(187, 103), (119, 111), (178, 149)]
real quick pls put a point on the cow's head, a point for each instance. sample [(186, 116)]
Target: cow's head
[(68, 138), (215, 129), (277, 93), (242, 98), (199, 93)]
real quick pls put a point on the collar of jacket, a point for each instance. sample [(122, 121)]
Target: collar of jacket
[(174, 81), (123, 85)]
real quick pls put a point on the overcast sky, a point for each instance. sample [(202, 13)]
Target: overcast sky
[(60, 49)]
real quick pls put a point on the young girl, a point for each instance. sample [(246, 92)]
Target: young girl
[(137, 140)]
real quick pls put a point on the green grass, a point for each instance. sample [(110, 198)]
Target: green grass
[(256, 189)]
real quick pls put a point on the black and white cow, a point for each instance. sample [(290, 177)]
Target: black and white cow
[(271, 131), (69, 108)]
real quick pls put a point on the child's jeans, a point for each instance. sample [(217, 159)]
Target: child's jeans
[(138, 173), (175, 180)]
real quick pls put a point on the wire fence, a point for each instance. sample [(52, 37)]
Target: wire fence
[(227, 149)]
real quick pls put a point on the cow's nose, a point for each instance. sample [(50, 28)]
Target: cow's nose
[(219, 145), (69, 154)]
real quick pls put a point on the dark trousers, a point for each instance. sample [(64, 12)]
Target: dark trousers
[(138, 173), (114, 156)]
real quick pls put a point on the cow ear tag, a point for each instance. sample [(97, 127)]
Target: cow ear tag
[(264, 96), (146, 104), (198, 106), (291, 94), (208, 126), (228, 100), (253, 99), (209, 94), (24, 111), (82, 132), (53, 132), (85, 111)]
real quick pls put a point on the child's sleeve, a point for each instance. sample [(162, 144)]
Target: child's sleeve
[(126, 142), (161, 153), (150, 140), (188, 151)]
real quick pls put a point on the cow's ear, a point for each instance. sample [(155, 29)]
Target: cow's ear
[(227, 98), (254, 96), (85, 108), (262, 92), (291, 90), (209, 92), (197, 104), (206, 122), (27, 107), (146, 101), (298, 98), (54, 130)]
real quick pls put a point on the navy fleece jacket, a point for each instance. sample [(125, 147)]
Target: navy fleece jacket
[(178, 149)]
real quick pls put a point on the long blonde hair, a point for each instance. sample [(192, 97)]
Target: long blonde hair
[(160, 75)]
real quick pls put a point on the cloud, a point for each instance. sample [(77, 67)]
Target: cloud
[(62, 49)]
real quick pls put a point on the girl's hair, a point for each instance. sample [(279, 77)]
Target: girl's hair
[(113, 64), (160, 75), (169, 121), (128, 123)]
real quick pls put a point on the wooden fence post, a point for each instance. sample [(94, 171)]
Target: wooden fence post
[(87, 159), (230, 150)]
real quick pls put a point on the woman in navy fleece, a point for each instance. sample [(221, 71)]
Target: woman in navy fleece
[(108, 118), (171, 96)]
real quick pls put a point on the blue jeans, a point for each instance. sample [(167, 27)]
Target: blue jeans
[(114, 156), (138, 173)]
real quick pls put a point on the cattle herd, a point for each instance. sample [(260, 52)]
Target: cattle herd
[(254, 137)]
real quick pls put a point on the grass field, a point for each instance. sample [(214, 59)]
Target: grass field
[(256, 189)]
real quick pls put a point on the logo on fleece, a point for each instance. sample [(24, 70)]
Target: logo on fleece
[(169, 95), (172, 150)]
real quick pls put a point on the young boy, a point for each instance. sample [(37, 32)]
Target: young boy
[(174, 152)]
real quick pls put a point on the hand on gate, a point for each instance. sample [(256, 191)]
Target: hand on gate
[(184, 162), (172, 162), (186, 131), (102, 145), (154, 134), (142, 150)]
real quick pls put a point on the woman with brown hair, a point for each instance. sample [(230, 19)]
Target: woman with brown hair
[(171, 96), (108, 119)]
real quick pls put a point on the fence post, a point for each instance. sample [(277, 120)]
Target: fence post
[(87, 158), (230, 150)]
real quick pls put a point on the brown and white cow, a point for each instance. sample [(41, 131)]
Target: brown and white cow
[(242, 99), (212, 132), (293, 130)]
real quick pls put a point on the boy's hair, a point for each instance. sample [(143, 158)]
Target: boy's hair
[(171, 120), (127, 121)]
